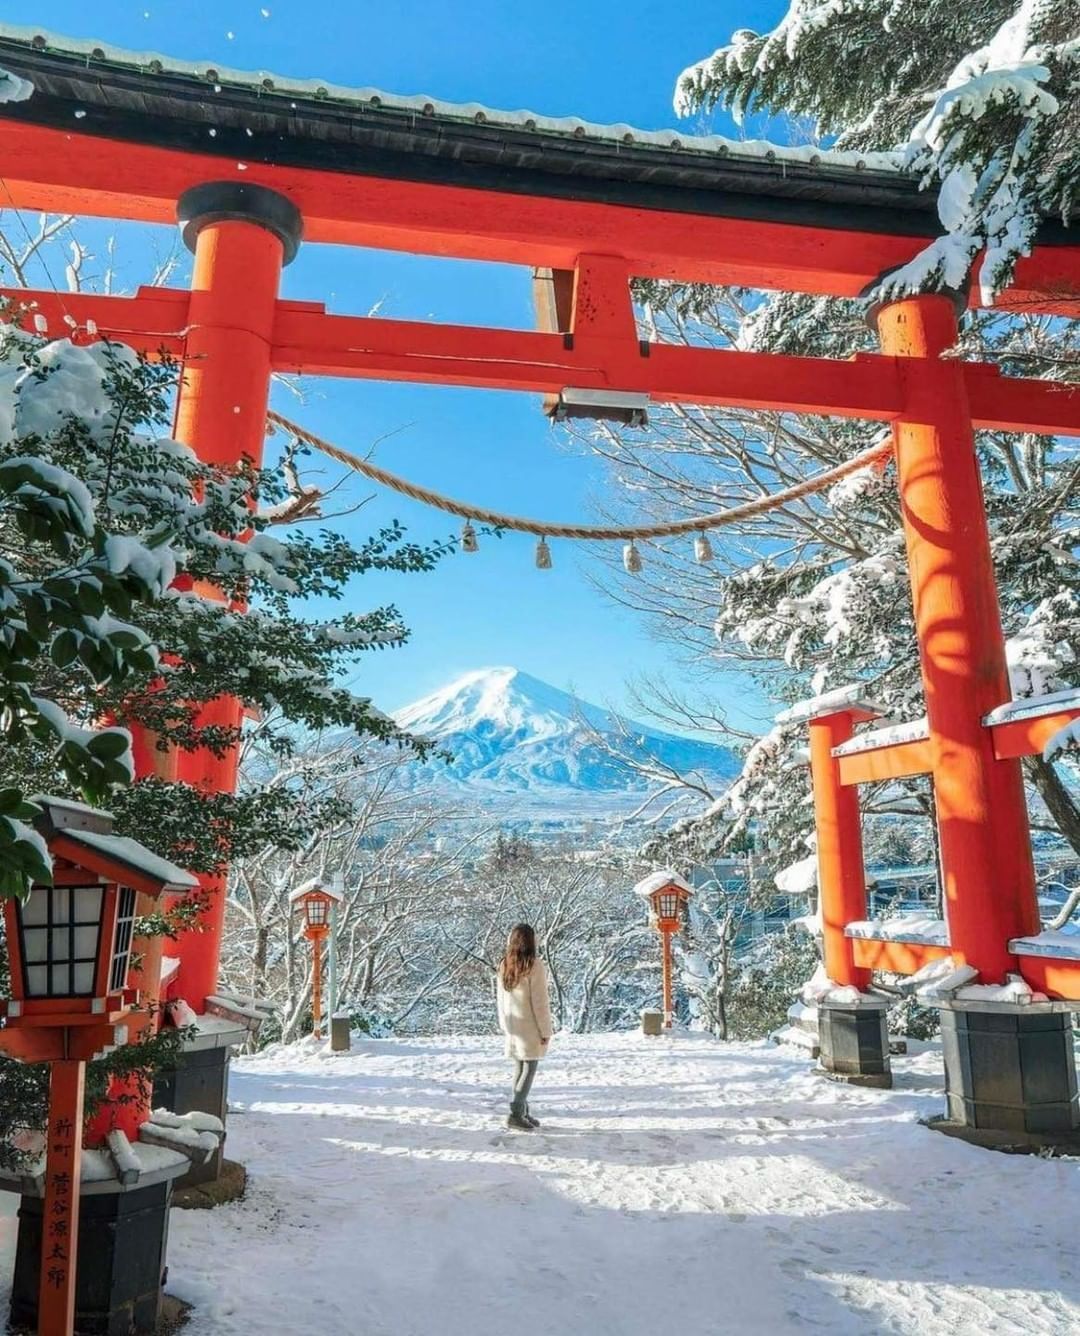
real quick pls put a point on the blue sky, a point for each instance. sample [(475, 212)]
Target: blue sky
[(604, 60)]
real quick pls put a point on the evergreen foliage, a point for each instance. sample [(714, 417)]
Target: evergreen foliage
[(138, 584), (978, 99)]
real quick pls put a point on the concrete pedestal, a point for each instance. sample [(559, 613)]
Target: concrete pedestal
[(855, 1042), (1010, 1074), (652, 1022), (121, 1268), (340, 1033), (198, 1084)]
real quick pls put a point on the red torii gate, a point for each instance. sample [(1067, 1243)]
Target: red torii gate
[(250, 164)]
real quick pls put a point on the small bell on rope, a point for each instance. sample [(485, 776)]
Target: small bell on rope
[(631, 558), (543, 555), (703, 552), (468, 538)]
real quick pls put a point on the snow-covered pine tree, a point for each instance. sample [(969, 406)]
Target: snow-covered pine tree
[(96, 490), (980, 99)]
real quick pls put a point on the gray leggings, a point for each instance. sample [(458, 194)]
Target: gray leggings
[(523, 1079)]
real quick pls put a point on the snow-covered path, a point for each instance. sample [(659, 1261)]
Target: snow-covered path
[(677, 1186)]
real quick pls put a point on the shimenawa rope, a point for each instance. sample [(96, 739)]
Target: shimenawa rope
[(583, 532)]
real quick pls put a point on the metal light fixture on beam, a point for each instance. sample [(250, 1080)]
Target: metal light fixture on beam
[(624, 406)]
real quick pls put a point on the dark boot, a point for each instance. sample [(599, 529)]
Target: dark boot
[(533, 1122), (519, 1122)]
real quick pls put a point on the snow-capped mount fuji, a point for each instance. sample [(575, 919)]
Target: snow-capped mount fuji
[(514, 736)]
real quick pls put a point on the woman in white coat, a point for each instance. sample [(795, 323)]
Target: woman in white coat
[(524, 1018)]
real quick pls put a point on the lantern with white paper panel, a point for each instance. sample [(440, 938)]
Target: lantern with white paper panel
[(69, 948), (69, 943), (667, 895), (315, 898)]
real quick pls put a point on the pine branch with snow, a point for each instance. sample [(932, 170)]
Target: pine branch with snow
[(979, 100)]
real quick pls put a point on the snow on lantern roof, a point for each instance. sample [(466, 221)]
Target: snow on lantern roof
[(317, 885), (67, 814), (90, 830), (269, 87), (658, 881), (836, 701), (136, 857)]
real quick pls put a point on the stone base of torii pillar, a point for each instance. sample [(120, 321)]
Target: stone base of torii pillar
[(854, 1041), (1010, 1075)]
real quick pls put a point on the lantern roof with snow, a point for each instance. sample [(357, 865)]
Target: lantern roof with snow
[(662, 880), (316, 886), (84, 835)]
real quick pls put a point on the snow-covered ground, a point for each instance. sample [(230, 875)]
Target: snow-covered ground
[(678, 1186)]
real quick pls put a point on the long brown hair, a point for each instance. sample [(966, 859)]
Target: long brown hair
[(520, 955)]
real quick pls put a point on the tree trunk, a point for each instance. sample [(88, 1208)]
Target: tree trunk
[(1059, 801)]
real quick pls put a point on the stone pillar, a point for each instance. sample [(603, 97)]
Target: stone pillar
[(120, 1278), (200, 1084), (854, 1041), (1010, 1074)]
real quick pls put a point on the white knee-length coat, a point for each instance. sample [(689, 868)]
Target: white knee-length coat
[(525, 1014)]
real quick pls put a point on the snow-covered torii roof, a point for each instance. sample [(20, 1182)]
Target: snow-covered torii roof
[(319, 885), (86, 86), (648, 886)]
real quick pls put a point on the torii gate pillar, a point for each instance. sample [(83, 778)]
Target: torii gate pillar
[(1009, 1069), (982, 819), (851, 1025), (241, 236)]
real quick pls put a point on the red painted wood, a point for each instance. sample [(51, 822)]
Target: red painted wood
[(896, 761), (308, 340), (63, 171), (221, 413), (1027, 737), (841, 875), (985, 842), (895, 957), (1058, 978), (63, 1172)]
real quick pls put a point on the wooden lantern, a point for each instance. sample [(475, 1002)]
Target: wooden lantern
[(667, 894), (316, 898), (69, 946)]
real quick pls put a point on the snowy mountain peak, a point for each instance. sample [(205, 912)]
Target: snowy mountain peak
[(499, 697), (515, 734)]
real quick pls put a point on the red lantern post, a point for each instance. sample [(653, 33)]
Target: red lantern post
[(69, 946), (315, 898), (668, 895)]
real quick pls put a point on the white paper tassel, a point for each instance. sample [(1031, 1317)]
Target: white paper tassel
[(468, 538), (703, 552), (543, 555), (631, 558)]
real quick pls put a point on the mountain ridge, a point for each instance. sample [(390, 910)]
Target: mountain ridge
[(512, 735)]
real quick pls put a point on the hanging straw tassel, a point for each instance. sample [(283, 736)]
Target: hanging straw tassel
[(631, 558), (543, 555), (703, 552), (468, 538)]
